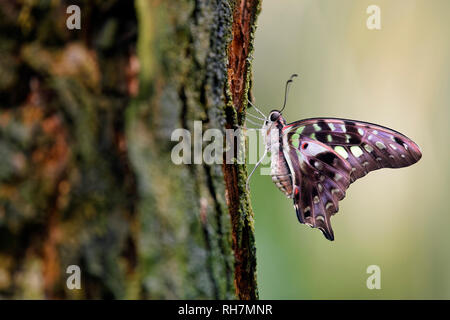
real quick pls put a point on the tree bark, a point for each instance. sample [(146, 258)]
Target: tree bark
[(86, 176)]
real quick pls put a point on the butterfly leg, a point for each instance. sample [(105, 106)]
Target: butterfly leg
[(254, 169), (259, 111)]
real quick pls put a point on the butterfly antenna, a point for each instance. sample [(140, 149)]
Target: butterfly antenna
[(286, 90), (254, 169)]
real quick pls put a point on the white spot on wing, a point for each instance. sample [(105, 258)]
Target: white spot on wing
[(368, 148), (318, 165), (331, 125), (380, 145), (320, 187), (357, 152), (341, 151), (314, 149)]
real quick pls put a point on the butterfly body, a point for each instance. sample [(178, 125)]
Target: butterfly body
[(279, 166), (313, 161)]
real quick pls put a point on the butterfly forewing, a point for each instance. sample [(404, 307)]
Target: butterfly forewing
[(328, 154), (365, 146)]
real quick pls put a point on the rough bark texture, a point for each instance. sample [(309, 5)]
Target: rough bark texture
[(86, 176), (239, 52)]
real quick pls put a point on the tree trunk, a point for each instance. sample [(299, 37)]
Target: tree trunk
[(86, 176)]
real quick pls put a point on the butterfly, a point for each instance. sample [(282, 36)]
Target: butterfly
[(314, 161)]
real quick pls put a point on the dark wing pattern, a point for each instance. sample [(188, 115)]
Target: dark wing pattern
[(321, 178), (328, 154), (365, 146)]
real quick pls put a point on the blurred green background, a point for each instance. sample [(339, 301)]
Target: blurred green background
[(397, 77)]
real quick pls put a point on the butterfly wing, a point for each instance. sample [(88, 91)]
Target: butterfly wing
[(328, 154), (364, 145), (321, 178)]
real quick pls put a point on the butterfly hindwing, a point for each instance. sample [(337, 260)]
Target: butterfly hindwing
[(365, 146), (329, 154), (321, 178)]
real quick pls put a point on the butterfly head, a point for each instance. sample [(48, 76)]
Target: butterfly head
[(275, 119), (274, 115), (272, 127)]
